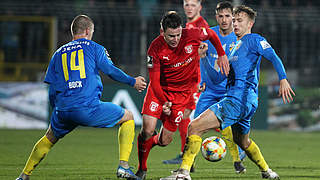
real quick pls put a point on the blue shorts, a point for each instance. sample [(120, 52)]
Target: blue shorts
[(103, 115), (231, 112), (206, 99)]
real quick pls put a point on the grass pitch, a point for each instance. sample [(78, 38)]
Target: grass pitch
[(89, 153)]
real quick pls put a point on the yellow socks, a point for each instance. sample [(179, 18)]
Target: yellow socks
[(232, 147), (192, 148), (39, 151), (253, 152), (125, 138)]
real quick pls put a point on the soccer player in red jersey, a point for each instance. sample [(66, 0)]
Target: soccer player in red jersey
[(223, 11), (172, 62), (192, 9)]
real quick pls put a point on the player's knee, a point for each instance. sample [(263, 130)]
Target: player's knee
[(129, 115), (146, 133), (192, 129), (126, 117), (186, 113), (242, 143), (50, 136), (165, 141), (245, 143)]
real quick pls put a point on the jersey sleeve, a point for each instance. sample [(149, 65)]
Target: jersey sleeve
[(107, 67), (50, 74), (51, 79), (153, 64), (215, 76), (264, 48), (52, 96), (209, 34)]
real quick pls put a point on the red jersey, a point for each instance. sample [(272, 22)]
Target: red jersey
[(200, 22), (175, 69)]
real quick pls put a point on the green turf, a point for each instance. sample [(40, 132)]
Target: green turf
[(93, 154)]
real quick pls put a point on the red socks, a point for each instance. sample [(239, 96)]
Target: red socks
[(183, 130), (144, 148)]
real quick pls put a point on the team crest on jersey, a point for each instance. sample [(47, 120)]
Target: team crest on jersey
[(153, 106), (166, 58), (265, 44), (188, 49), (149, 62), (236, 46), (231, 46)]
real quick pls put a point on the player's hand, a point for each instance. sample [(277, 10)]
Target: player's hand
[(285, 91), (140, 84), (223, 63), (202, 50), (166, 108), (202, 87)]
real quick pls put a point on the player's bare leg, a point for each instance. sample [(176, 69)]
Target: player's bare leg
[(162, 139), (145, 143), (206, 121), (183, 129)]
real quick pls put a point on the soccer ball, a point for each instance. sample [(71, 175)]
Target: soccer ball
[(213, 149)]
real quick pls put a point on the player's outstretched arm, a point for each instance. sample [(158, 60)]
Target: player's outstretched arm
[(140, 84), (222, 60), (202, 51), (215, 76), (285, 91)]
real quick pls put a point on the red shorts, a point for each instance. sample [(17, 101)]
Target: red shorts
[(152, 107), (193, 99)]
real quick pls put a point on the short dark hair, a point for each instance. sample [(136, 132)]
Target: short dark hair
[(248, 10), (224, 5), (80, 23), (170, 19)]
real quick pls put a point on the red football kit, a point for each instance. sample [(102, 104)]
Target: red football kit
[(200, 23), (173, 72)]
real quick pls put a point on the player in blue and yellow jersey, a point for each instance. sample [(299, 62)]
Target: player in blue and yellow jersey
[(241, 101), (212, 92), (75, 89)]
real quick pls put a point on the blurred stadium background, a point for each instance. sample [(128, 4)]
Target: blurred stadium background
[(32, 30)]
